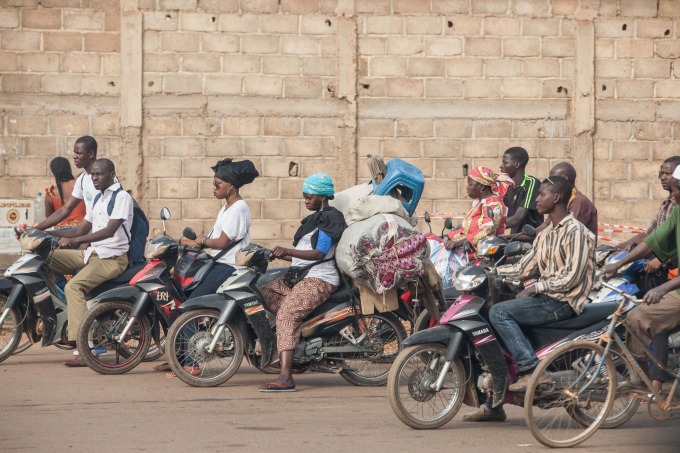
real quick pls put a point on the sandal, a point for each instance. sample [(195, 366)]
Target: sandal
[(275, 387), (192, 370), (165, 366)]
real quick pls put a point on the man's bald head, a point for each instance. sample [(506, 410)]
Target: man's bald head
[(566, 170)]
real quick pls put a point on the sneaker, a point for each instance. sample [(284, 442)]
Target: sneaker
[(484, 414), (523, 382), (98, 351)]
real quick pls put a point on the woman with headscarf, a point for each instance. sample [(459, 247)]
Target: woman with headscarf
[(292, 299), (229, 235), (60, 191), (487, 189)]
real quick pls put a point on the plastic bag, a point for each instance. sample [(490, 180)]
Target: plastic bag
[(447, 262)]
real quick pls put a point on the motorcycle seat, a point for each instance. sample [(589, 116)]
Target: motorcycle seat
[(127, 275), (591, 314), (340, 296)]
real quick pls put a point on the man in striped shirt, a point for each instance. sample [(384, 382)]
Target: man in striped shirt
[(564, 256)]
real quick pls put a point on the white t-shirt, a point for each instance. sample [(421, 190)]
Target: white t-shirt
[(84, 189), (324, 271), (235, 222), (118, 244)]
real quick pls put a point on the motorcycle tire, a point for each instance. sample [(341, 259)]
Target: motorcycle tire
[(104, 322), (23, 346), (422, 322), (197, 326), (408, 387), (11, 325), (367, 370), (156, 350), (624, 406)]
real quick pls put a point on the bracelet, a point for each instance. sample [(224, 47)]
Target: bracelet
[(205, 238)]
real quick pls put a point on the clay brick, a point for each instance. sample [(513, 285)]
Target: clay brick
[(111, 64), (668, 49), (637, 8), (604, 48), (112, 21), (521, 47), (367, 147), (182, 83), (464, 67), (613, 130), (328, 45), (154, 62), (415, 128), (203, 62), (653, 28), (410, 88), (69, 125), (444, 88), (533, 8), (241, 126), (478, 148), (196, 168), (282, 126), (83, 20), (501, 26), (160, 126), (306, 87), (20, 40), (62, 83), (269, 231), (193, 126), (9, 61), (490, 129), (318, 25), (307, 147), (320, 126), (218, 42), (388, 66), (445, 46), (669, 8), (489, 7), (180, 42), (241, 64), (450, 149), (260, 44), (198, 22), (9, 18), (102, 42), (300, 45), (635, 48), (613, 68), (655, 69), (267, 86), (178, 5), (558, 47), (635, 89), (543, 67), (383, 25), (521, 88), (401, 147), (27, 166), (152, 84), (177, 188), (41, 18), (373, 87), (375, 128), (556, 88), (318, 66), (424, 25), (286, 65), (21, 83), (396, 45), (482, 88), (463, 25), (223, 147), (198, 209), (657, 131), (455, 128), (239, 23), (181, 147), (105, 125), (667, 88), (541, 27), (62, 41), (101, 85), (614, 28), (630, 151), (373, 6), (40, 146), (506, 67), (630, 190), (612, 210), (271, 23), (163, 168), (151, 41), (376, 46), (281, 209), (162, 21), (450, 6), (444, 189), (426, 67), (488, 47)]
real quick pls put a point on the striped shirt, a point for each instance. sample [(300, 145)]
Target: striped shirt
[(564, 256), (664, 211)]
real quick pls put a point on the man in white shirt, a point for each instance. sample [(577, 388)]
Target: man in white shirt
[(106, 257)]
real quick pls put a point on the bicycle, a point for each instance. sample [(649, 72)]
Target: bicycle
[(587, 379)]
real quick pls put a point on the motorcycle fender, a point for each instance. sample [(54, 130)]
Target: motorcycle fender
[(437, 334), (15, 294), (216, 301), (5, 285), (128, 293)]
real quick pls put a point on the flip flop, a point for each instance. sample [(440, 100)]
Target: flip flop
[(192, 370), (275, 387), (161, 367)]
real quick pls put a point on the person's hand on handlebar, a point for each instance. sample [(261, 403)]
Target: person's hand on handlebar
[(609, 270), (278, 252), (653, 265), (66, 242), (450, 245)]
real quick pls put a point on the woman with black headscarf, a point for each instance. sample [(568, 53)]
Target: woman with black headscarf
[(229, 235)]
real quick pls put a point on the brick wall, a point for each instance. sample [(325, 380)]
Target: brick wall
[(300, 86)]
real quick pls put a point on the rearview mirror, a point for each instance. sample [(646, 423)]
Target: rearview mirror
[(165, 214), (513, 249), (448, 223), (528, 230), (427, 217), (467, 247)]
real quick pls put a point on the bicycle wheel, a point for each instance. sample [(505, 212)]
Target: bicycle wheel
[(383, 334), (188, 338), (624, 406), (104, 323), (579, 384), (412, 399)]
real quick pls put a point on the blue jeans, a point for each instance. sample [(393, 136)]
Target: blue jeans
[(537, 310), (211, 281)]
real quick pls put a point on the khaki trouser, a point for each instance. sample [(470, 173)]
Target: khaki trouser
[(89, 276), (645, 321)]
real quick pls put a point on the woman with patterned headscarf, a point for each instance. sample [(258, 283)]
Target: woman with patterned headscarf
[(312, 278), (487, 190)]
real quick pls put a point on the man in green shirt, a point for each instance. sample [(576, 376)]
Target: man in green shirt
[(661, 309)]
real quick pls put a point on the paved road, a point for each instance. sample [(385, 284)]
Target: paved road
[(49, 407)]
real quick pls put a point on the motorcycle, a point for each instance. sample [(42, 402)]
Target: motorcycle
[(125, 320), (30, 301), (462, 361), (216, 331)]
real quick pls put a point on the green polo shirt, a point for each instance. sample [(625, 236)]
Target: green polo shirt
[(665, 239)]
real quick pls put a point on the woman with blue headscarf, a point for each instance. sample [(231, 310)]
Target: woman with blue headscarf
[(312, 277)]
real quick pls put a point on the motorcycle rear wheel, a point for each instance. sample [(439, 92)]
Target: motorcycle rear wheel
[(412, 400), (577, 384), (188, 337), (104, 322), (386, 333), (10, 330)]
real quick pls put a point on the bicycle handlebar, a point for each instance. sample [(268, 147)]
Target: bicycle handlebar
[(630, 298)]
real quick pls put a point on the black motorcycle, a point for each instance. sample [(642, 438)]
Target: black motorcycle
[(216, 331)]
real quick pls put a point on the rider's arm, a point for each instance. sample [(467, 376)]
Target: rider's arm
[(580, 248), (517, 218), (108, 231), (637, 239), (525, 267), (60, 214)]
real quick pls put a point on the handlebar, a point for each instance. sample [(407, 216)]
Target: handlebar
[(602, 280)]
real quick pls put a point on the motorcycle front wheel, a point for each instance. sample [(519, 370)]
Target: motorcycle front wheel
[(410, 383), (383, 334), (103, 325), (188, 339), (10, 330), (156, 350)]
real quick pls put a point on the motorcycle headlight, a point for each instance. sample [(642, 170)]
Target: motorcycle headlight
[(469, 279), (489, 246), (157, 247)]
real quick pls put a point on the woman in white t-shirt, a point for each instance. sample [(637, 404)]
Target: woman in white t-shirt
[(229, 235), (314, 243)]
